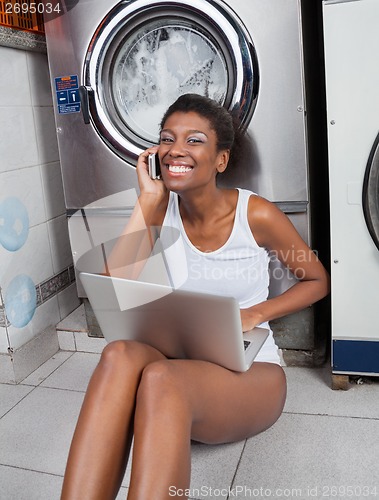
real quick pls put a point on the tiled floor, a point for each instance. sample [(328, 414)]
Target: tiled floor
[(325, 445)]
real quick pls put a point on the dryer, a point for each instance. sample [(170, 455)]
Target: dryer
[(116, 66), (352, 82)]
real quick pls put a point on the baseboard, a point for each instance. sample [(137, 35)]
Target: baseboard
[(18, 364)]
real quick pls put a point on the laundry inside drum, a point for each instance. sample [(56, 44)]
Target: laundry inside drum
[(157, 64)]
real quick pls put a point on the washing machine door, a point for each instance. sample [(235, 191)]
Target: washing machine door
[(146, 53), (371, 193)]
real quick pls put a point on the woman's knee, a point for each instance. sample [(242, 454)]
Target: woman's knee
[(160, 374), (161, 382), (115, 351), (123, 354)]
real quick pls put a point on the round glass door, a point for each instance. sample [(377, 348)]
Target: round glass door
[(147, 53), (371, 193), (155, 65)]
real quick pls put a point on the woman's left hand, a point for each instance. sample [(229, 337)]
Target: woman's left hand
[(146, 184), (250, 318)]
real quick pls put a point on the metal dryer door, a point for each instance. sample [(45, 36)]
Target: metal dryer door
[(144, 54), (371, 193)]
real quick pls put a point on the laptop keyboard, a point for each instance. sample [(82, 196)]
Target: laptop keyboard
[(246, 344)]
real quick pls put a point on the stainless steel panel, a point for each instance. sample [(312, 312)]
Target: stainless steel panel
[(90, 170), (273, 156)]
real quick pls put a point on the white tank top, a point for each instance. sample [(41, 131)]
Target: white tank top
[(239, 268)]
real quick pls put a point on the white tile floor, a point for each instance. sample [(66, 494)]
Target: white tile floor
[(325, 445)]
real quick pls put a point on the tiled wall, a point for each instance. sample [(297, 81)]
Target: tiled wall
[(36, 276)]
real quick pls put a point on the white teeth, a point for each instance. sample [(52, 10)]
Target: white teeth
[(179, 168)]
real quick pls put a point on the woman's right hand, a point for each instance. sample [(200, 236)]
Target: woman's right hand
[(148, 185)]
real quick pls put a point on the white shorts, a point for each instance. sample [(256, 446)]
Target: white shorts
[(269, 352)]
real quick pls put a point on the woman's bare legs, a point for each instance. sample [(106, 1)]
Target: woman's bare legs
[(178, 400), (101, 443)]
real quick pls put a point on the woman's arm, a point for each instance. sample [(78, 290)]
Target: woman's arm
[(134, 245), (273, 230)]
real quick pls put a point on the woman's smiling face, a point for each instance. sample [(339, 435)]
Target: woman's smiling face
[(188, 152)]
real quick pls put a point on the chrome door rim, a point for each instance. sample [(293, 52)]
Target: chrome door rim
[(370, 195), (128, 15)]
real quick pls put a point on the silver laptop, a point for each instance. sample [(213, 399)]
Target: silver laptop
[(180, 323)]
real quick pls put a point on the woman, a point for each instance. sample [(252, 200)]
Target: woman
[(164, 403)]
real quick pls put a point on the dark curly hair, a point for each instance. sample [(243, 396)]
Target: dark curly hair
[(219, 118)]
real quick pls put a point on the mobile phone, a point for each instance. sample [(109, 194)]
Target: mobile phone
[(154, 167)]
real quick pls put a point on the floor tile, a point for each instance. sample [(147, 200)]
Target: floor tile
[(301, 454), (10, 395), (324, 439), (66, 340), (22, 484), (213, 469), (7, 375), (74, 322), (126, 479), (309, 392), (75, 373), (46, 369), (89, 344), (122, 494), (36, 434)]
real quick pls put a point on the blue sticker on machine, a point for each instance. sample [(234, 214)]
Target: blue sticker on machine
[(67, 91)]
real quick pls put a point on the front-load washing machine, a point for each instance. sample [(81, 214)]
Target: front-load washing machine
[(352, 82), (116, 66)]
